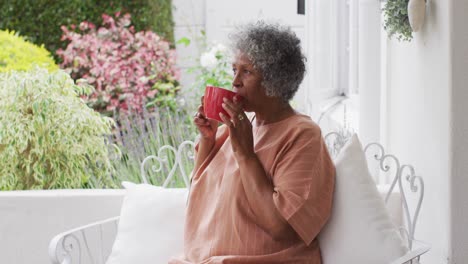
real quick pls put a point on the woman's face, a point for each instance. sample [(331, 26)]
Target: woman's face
[(248, 83)]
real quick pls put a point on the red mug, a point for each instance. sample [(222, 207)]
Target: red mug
[(213, 101)]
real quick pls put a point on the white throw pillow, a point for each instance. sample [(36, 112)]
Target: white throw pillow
[(151, 225), (359, 229), (394, 204)]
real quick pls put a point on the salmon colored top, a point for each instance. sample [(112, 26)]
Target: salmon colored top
[(220, 226)]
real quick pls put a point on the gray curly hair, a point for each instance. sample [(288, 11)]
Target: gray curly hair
[(275, 51)]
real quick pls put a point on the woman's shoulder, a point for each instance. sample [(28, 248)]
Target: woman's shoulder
[(297, 127), (298, 120), (303, 124), (305, 121)]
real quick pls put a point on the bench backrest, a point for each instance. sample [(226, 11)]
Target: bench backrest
[(386, 169)]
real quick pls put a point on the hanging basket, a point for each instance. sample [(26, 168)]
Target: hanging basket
[(403, 17), (416, 14), (396, 21)]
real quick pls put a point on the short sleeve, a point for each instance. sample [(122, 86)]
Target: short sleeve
[(304, 182)]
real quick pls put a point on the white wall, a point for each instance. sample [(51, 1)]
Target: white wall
[(29, 219), (459, 136), (418, 120), (189, 19), (369, 70)]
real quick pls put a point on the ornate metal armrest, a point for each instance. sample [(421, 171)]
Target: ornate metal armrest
[(92, 243), (413, 256), (388, 169), (72, 246)]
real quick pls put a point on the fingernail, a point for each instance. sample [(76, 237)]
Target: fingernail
[(224, 99), (223, 104)]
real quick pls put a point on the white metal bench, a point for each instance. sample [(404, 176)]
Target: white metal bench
[(92, 243)]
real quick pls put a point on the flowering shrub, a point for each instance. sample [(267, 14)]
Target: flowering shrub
[(215, 67), (38, 20), (18, 54), (49, 138), (126, 68)]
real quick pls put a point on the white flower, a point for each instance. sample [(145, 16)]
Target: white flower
[(181, 101), (218, 48), (208, 60)]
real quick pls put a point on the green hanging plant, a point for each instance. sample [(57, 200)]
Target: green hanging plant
[(396, 21)]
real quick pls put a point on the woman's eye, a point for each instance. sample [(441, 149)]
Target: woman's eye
[(234, 70), (247, 72)]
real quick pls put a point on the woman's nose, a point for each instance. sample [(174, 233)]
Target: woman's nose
[(236, 82)]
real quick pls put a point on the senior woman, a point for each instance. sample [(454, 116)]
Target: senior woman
[(262, 187)]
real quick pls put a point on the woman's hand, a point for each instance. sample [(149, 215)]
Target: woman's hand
[(240, 129), (206, 127)]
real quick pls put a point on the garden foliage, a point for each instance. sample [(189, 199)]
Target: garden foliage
[(40, 20), (213, 67), (141, 135), (49, 138), (129, 70), (19, 54)]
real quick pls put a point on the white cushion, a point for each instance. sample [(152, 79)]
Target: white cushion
[(151, 225), (360, 229), (394, 204)]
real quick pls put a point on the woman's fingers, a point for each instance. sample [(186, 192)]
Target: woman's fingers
[(228, 122), (239, 127), (200, 113), (233, 109), (238, 100), (233, 106), (201, 110), (229, 110), (199, 117), (201, 121)]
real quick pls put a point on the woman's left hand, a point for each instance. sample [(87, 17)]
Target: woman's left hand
[(240, 129)]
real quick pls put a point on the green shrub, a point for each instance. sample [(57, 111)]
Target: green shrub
[(40, 20), (49, 138), (18, 54)]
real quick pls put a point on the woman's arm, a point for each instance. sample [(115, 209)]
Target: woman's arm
[(259, 191), (205, 145), (207, 129), (257, 186)]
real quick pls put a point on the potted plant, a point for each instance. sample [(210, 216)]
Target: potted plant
[(396, 21), (403, 17)]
